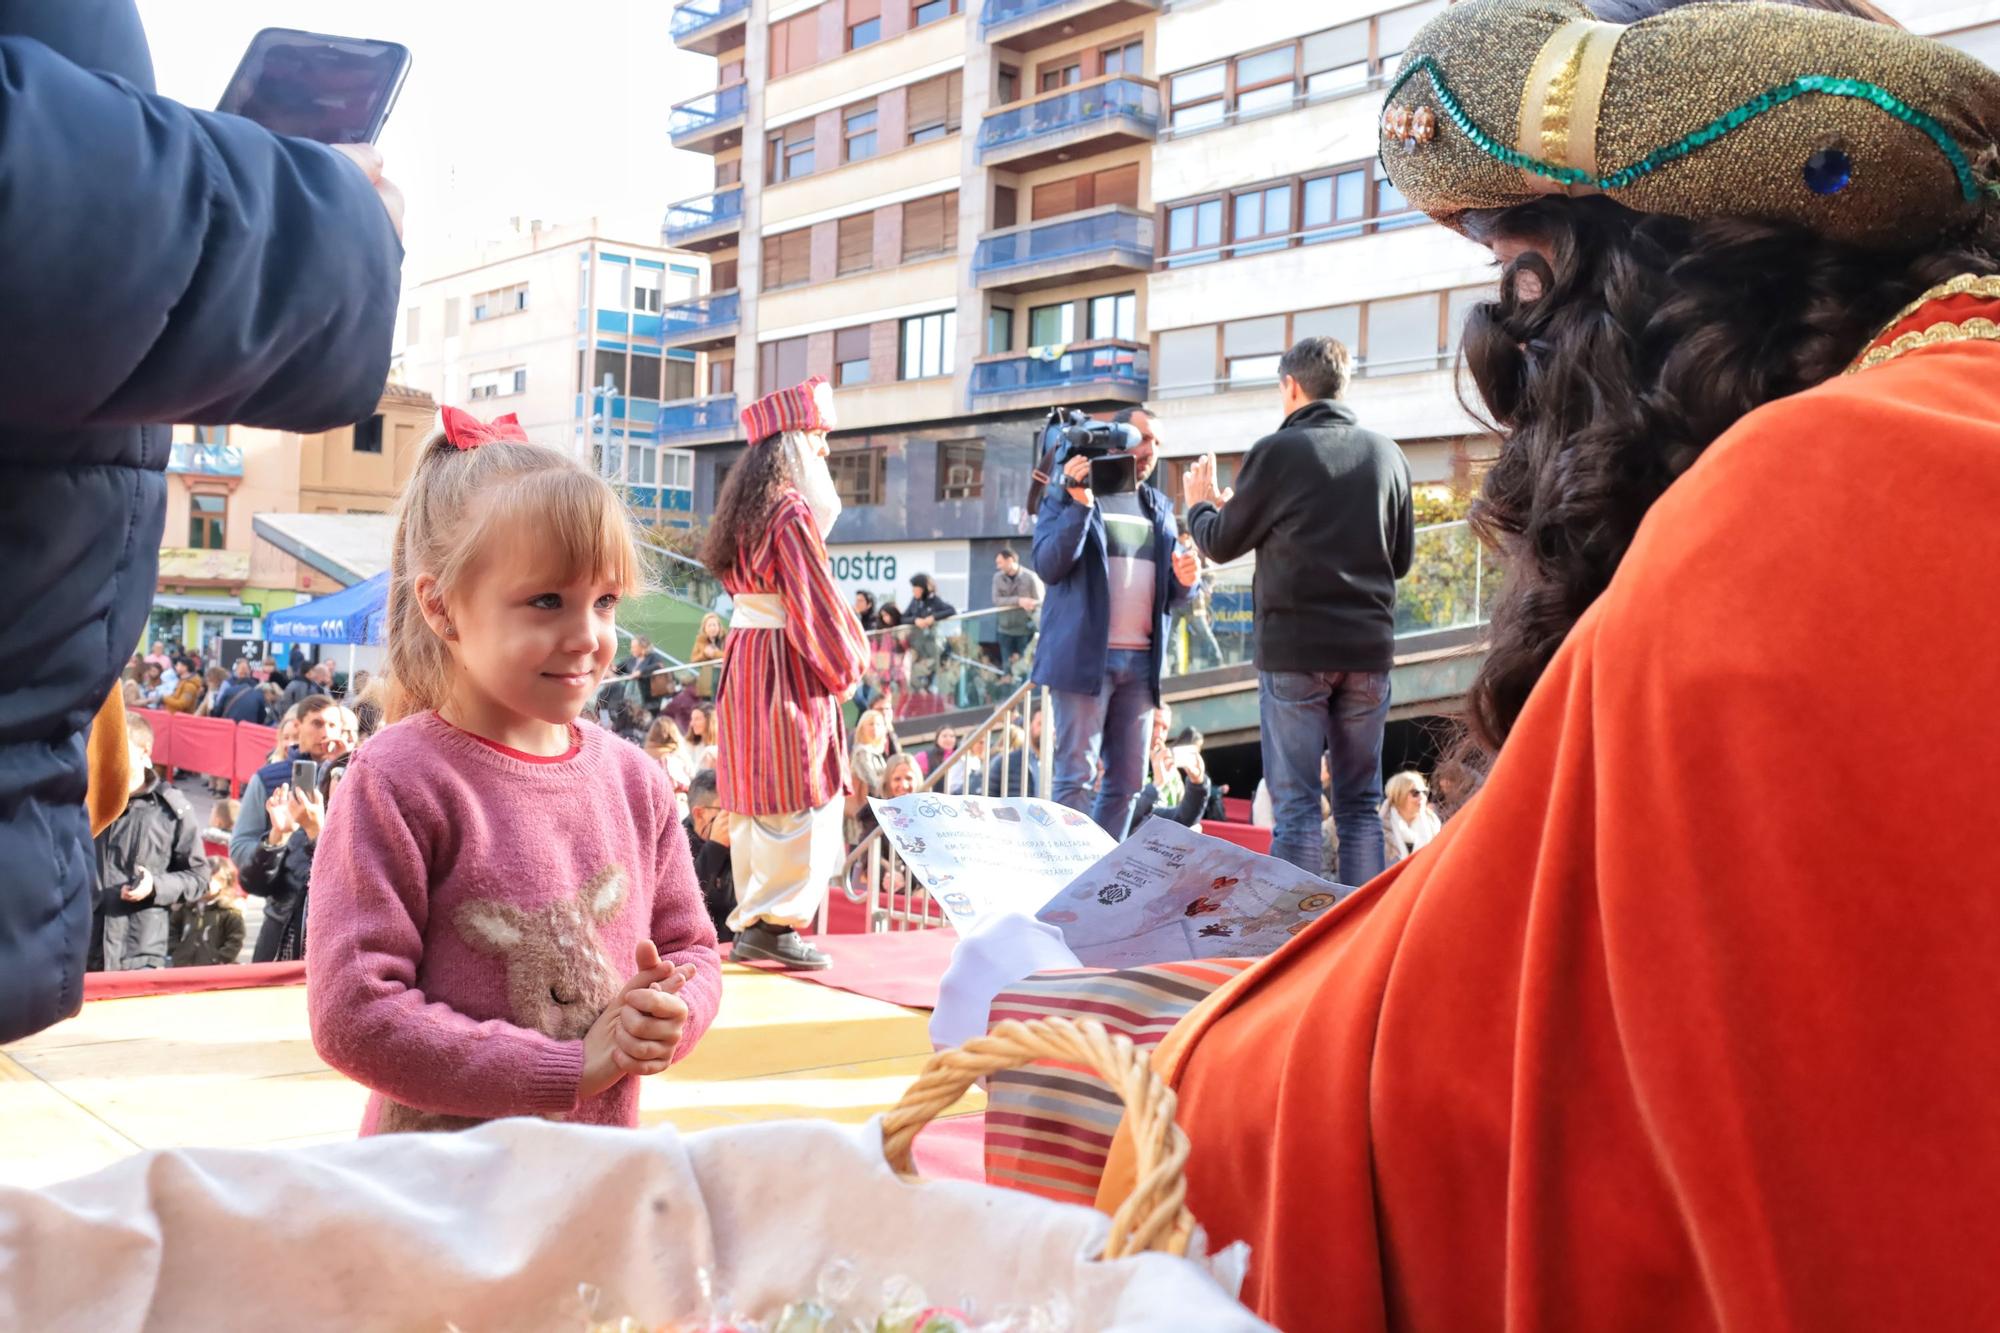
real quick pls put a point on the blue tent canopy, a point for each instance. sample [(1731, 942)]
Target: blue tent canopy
[(352, 615)]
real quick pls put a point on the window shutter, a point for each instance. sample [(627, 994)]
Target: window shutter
[(1118, 185), (780, 51), (802, 35), (950, 206), (923, 226), (857, 243), (927, 103), (860, 11), (851, 344), (1055, 198), (791, 362), (798, 258), (954, 97), (722, 275)]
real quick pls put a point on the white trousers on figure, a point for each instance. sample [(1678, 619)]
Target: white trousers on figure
[(783, 864)]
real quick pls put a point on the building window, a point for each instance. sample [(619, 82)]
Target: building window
[(1129, 59), (781, 364), (1007, 87), (494, 304), (610, 369), (1052, 325), (1114, 316), (368, 435), (729, 173), (676, 378), (1394, 30), (646, 290), (677, 469), (1342, 323), (850, 356), (1091, 189), (1062, 76), (1265, 212), (795, 44), (790, 152), (931, 11), (864, 23), (936, 106), (208, 519), (722, 275), (858, 130), (1186, 360), (412, 325), (928, 345), (999, 331), (1341, 198), (1335, 60), (1196, 97), (1393, 208), (1265, 80), (722, 377), (645, 378), (930, 226), (787, 259), (961, 469), (858, 474), (1194, 233), (1251, 348), (483, 384), (856, 238)]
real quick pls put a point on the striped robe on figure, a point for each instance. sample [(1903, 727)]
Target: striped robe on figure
[(782, 748)]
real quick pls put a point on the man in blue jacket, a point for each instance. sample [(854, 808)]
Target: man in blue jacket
[(1114, 574), (156, 265)]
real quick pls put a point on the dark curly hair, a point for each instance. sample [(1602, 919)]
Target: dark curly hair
[(1622, 344), (749, 494)]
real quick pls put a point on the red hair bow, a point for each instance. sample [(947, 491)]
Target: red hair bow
[(466, 431)]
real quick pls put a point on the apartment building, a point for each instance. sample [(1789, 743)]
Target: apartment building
[(562, 326)]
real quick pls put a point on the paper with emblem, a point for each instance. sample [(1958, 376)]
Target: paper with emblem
[(982, 857), (1169, 894)]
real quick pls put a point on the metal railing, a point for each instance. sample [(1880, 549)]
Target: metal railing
[(703, 313), (999, 13), (685, 577), (1004, 759), (691, 216), (691, 16), (1119, 363), (1130, 234), (697, 416), (707, 111), (944, 669), (1133, 101)]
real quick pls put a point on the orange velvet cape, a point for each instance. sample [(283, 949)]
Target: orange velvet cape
[(1692, 1018)]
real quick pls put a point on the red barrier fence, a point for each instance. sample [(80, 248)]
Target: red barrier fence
[(212, 746)]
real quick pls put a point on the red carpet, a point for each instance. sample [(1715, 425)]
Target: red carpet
[(1243, 835), (900, 966), (953, 1149)]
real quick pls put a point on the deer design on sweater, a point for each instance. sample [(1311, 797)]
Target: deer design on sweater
[(558, 979)]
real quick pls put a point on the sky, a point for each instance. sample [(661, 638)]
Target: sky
[(513, 108)]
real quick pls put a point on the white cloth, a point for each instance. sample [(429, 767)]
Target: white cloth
[(493, 1229), (783, 864), (1261, 813), (758, 610), (1003, 950)]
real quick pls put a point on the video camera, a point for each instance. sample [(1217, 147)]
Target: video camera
[(1109, 446)]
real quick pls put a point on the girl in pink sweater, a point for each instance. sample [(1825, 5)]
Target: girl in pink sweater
[(504, 918)]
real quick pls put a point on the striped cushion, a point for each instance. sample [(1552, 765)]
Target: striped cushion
[(1049, 1125)]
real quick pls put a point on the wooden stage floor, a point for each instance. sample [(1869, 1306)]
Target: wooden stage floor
[(237, 1069)]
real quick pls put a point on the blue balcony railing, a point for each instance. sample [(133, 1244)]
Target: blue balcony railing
[(1126, 103), (691, 217), (694, 15), (698, 416), (999, 13), (1128, 237), (1117, 364), (699, 114), (701, 315), (206, 460)]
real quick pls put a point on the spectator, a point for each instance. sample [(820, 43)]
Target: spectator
[(1180, 789), (185, 694), (665, 743), (315, 680), (1113, 574), (358, 686), (254, 705), (942, 747), (1011, 769), (709, 640), (208, 931), (864, 611), (213, 681), (129, 685), (158, 657), (967, 774), (287, 737), (707, 826), (902, 777), (870, 691), (222, 817), (297, 663), (1326, 506), (1018, 592), (152, 688), (277, 866), (1192, 620), (700, 739), (924, 613), (1408, 822), (239, 681), (869, 764), (148, 859), (645, 667)]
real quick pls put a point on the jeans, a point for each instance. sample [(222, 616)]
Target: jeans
[(1011, 644), (1200, 639), (1339, 714), (1115, 723)]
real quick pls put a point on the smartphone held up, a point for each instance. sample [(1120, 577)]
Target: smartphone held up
[(337, 90)]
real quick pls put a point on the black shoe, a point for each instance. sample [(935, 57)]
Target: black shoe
[(781, 945)]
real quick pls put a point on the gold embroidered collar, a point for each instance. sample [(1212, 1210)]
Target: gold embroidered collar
[(1883, 348)]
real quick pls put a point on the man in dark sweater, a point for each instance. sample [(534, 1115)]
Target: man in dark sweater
[(1326, 506)]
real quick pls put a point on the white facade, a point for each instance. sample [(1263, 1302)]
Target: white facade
[(517, 327)]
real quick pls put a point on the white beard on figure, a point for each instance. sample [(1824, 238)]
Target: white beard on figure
[(815, 481)]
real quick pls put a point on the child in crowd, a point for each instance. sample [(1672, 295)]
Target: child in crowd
[(495, 865), (208, 932)]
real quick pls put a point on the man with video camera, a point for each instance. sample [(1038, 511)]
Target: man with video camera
[(1105, 549)]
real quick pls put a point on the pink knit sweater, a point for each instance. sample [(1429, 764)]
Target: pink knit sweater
[(472, 914)]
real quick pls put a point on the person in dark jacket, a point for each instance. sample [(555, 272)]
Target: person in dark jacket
[(1180, 788), (239, 681), (1112, 574), (161, 265), (326, 731), (707, 826), (256, 705), (148, 861), (923, 615), (316, 679), (208, 932), (280, 866), (1326, 507)]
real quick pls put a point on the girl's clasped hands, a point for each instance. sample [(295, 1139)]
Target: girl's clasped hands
[(639, 1033)]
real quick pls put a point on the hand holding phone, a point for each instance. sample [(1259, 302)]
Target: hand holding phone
[(338, 90)]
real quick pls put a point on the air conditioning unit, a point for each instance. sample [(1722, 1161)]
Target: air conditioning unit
[(958, 477)]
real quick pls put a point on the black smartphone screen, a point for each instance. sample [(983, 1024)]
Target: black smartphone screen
[(305, 776), (333, 89)]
